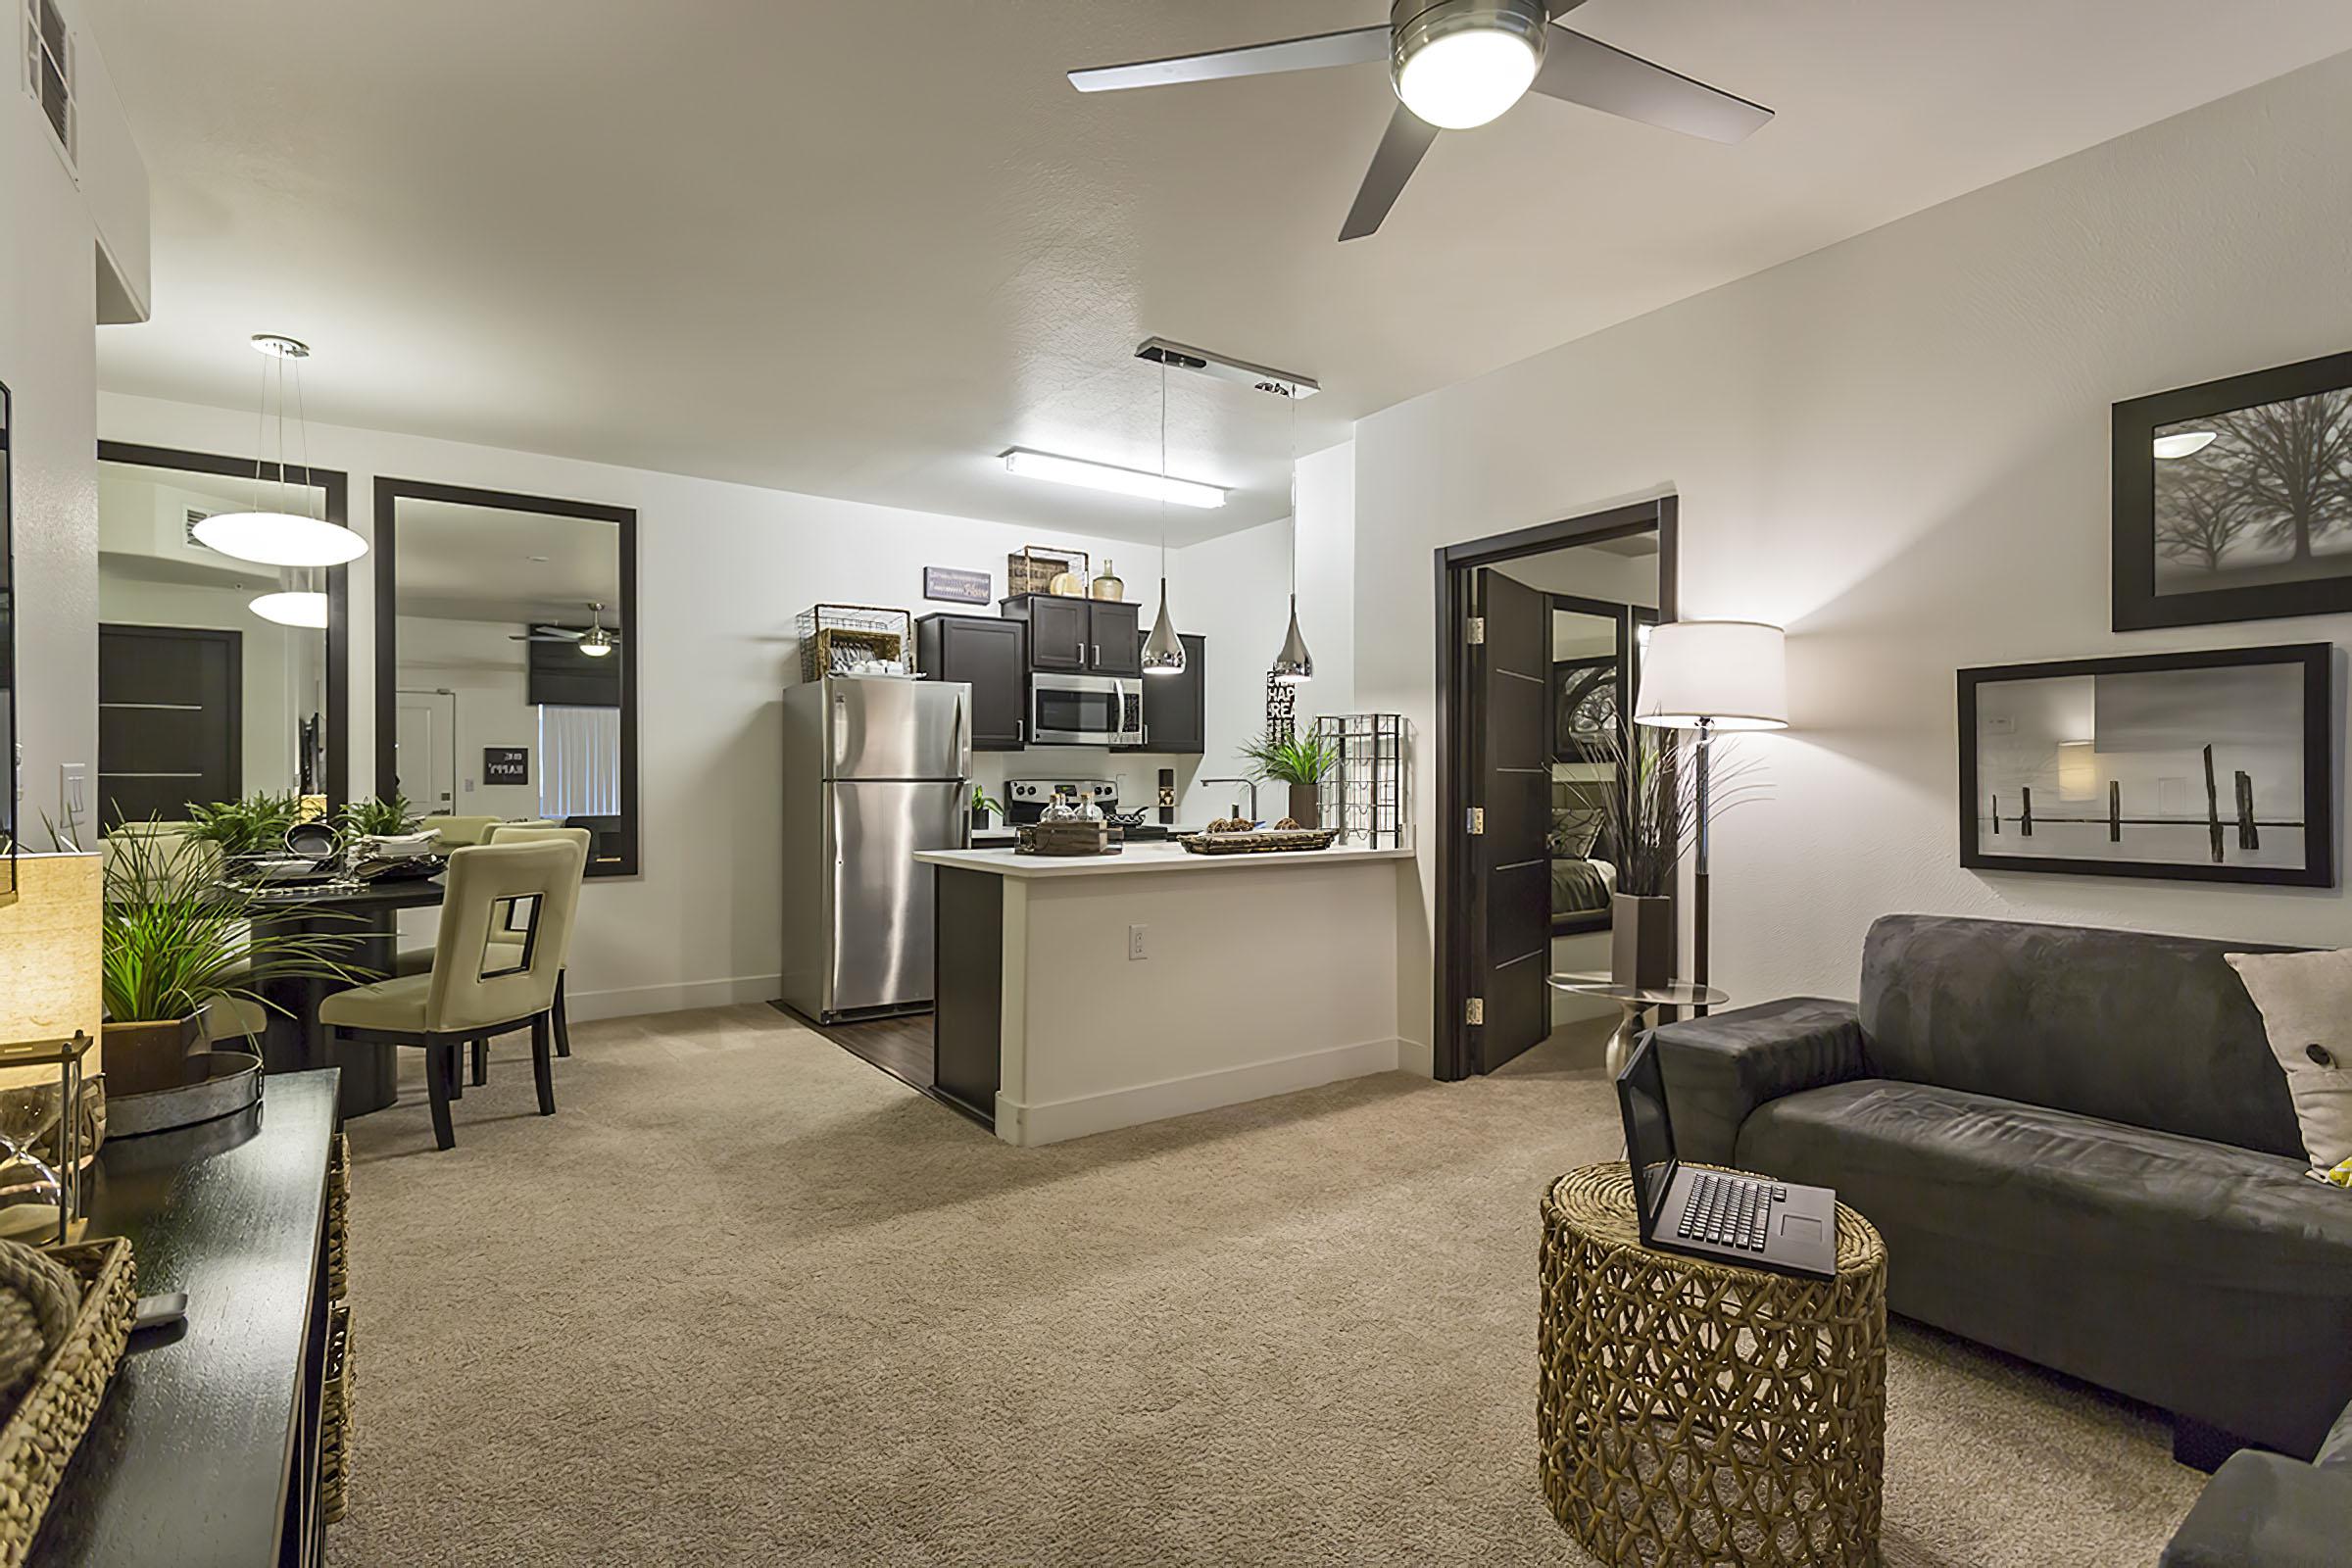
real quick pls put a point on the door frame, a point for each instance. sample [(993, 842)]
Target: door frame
[(334, 486), (1453, 1045)]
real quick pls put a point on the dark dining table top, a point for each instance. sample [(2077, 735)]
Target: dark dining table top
[(186, 1463), (413, 893)]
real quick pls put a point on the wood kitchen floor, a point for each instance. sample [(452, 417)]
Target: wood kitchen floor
[(901, 1047)]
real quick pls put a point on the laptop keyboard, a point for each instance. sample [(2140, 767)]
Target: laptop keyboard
[(1729, 1210)]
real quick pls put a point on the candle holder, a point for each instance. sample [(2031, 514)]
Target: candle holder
[(26, 1119)]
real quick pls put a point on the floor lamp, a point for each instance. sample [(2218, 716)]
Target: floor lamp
[(1709, 676)]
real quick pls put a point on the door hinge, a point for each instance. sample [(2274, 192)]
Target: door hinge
[(1476, 632), (1477, 823), (1474, 1010)]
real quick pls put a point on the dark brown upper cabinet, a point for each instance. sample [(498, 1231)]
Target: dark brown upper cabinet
[(991, 656), (1075, 636), (1176, 706)]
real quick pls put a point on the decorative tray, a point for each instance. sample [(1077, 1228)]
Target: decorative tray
[(48, 1423), (1260, 841), (1070, 839)]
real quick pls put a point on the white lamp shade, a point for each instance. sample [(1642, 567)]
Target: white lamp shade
[(1732, 673), (281, 538)]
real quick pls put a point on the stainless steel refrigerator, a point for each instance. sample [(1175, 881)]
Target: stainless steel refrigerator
[(875, 768)]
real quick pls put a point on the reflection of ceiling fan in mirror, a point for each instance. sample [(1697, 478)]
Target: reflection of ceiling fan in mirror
[(1457, 63), (596, 641)]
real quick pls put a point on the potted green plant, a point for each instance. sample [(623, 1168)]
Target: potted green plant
[(1647, 820), (176, 939), (1299, 759), (982, 804), (368, 823), (247, 830)]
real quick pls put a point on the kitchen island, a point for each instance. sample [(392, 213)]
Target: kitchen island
[(1080, 994)]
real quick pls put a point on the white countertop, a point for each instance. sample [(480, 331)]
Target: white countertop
[(1138, 857)]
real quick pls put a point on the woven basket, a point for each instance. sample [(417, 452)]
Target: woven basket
[(334, 1419), (1070, 839), (1271, 840), (338, 1218), (48, 1423)]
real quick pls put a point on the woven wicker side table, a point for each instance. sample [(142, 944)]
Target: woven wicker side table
[(1695, 1412)]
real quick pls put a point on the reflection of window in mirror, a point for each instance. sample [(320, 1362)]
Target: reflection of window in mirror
[(510, 662), (214, 679)]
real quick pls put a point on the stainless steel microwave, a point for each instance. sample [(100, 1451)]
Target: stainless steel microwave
[(1085, 711)]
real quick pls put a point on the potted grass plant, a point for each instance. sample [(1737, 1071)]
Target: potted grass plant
[(1300, 760), (178, 937), (246, 832), (1649, 819), (377, 828)]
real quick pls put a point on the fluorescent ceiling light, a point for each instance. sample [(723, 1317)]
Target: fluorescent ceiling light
[(292, 609), (1103, 476), (2186, 444)]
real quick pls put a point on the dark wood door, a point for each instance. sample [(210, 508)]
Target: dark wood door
[(171, 720), (986, 656), (1512, 939), (1175, 706), (1058, 630), (1114, 644)]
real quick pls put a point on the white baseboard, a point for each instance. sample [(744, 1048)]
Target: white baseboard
[(1415, 1056), (1054, 1120), (631, 1001)]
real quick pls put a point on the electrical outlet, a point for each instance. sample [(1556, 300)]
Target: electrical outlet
[(1136, 952)]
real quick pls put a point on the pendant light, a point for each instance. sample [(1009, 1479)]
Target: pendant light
[(1293, 664), (275, 536), (1163, 649)]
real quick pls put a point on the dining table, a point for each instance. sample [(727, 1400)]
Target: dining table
[(295, 1041)]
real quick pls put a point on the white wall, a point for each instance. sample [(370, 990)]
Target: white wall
[(1897, 446), (722, 572), (48, 361), (479, 661)]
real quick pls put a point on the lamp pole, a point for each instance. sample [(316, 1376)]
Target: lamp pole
[(1699, 879)]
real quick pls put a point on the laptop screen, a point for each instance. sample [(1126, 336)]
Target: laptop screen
[(1649, 1137)]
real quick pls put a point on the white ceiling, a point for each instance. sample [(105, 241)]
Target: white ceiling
[(467, 562), (859, 249)]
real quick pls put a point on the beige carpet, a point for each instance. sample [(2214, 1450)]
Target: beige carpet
[(747, 1299)]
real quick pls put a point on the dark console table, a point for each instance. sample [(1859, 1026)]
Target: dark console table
[(207, 1450)]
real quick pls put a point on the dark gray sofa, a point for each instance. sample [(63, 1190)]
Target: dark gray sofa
[(2079, 1149)]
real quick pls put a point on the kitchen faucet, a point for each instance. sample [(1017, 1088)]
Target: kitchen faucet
[(1253, 783)]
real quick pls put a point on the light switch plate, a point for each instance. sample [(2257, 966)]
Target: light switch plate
[(1135, 944), (73, 790)]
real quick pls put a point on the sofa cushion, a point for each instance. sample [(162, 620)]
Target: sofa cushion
[(2154, 1031), (2306, 1002), (2212, 1280)]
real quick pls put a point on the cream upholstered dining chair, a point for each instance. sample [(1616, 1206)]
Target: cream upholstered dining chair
[(458, 832), (489, 975), (539, 832)]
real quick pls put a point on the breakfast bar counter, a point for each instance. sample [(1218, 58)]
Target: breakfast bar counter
[(1078, 994)]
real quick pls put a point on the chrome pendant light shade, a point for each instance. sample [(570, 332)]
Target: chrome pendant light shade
[(1293, 664), (1163, 649)]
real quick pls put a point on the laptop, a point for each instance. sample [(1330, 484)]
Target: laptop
[(1753, 1221)]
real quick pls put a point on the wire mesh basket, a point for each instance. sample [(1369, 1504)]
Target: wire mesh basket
[(837, 639), (1365, 795)]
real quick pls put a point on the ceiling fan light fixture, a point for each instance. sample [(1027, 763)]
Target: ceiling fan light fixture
[(1458, 64), (595, 648), (2188, 444)]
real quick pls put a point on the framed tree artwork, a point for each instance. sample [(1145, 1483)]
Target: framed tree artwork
[(1585, 707), (2234, 498), (2207, 766)]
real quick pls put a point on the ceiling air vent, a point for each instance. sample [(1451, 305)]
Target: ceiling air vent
[(49, 71), (193, 519)]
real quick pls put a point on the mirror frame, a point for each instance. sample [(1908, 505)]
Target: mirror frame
[(389, 493), (8, 629), (336, 487)]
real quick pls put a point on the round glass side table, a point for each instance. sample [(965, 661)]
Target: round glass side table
[(1634, 1003)]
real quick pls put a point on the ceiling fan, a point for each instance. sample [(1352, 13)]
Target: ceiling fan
[(595, 642), (1457, 63)]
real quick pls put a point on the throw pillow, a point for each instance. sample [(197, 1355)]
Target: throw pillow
[(2306, 1002)]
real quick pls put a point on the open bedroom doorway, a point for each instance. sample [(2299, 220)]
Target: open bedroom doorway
[(1539, 638)]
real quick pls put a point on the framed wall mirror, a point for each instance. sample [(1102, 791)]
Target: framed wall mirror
[(506, 661), (1596, 668), (8, 659), (218, 679)]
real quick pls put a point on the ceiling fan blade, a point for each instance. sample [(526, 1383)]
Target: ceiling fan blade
[(1400, 148), (1585, 71), (1353, 47)]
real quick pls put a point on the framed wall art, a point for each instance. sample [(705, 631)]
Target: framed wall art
[(2234, 498), (2207, 766)]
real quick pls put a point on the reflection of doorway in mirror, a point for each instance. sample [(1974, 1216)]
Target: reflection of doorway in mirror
[(425, 753)]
